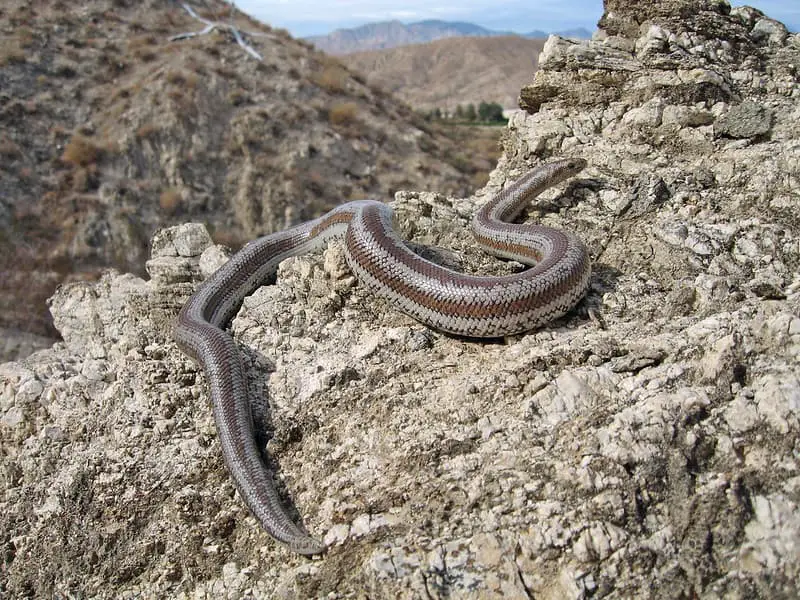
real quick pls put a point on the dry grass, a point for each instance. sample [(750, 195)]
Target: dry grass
[(170, 200), (142, 41), (65, 67), (184, 101), (145, 53), (343, 113), (237, 97), (11, 53), (9, 149), (24, 37), (183, 79), (81, 151), (146, 131), (333, 78)]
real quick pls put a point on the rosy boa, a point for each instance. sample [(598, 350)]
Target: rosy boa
[(457, 303)]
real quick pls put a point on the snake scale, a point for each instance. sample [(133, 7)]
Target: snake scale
[(453, 302)]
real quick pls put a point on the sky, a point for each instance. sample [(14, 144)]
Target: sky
[(312, 17)]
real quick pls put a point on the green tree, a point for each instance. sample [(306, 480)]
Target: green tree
[(469, 113), (482, 111), (459, 113), (491, 112)]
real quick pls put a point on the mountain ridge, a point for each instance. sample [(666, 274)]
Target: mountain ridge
[(453, 71), (383, 35)]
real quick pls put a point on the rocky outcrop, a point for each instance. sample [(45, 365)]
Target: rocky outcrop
[(643, 446)]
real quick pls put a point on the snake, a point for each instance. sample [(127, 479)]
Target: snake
[(472, 306)]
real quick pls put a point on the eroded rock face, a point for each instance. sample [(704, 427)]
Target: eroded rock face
[(643, 446)]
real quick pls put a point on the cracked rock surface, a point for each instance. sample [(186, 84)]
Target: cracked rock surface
[(645, 445)]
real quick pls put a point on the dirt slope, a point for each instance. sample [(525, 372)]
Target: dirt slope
[(109, 130), (449, 72)]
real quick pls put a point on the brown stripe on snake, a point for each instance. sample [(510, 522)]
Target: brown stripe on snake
[(447, 300)]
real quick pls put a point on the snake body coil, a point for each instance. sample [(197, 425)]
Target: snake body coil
[(475, 306)]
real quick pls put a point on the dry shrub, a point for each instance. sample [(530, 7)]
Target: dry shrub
[(229, 238), (77, 180), (64, 67), (81, 151), (9, 149), (183, 101), (170, 200), (146, 53), (120, 93), (84, 179), (147, 131), (141, 41), (110, 146), (183, 79), (210, 50), (25, 37), (24, 273), (479, 179), (343, 113), (333, 78), (11, 53), (237, 97), (219, 14), (226, 72), (24, 16)]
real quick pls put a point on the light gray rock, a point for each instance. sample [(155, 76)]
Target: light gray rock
[(642, 446), (769, 31)]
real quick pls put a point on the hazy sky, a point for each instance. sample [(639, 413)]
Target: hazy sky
[(309, 17)]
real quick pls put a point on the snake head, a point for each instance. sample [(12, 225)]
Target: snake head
[(575, 165)]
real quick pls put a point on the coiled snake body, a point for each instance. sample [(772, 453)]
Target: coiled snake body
[(469, 305)]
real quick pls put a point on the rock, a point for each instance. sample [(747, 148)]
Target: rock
[(645, 441), (15, 344), (770, 32), (746, 120), (183, 240)]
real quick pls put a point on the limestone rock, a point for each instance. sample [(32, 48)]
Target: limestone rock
[(645, 445)]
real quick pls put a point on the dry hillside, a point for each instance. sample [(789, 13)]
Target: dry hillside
[(448, 72), (109, 130)]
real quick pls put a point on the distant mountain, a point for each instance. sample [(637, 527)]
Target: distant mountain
[(390, 34), (458, 70)]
